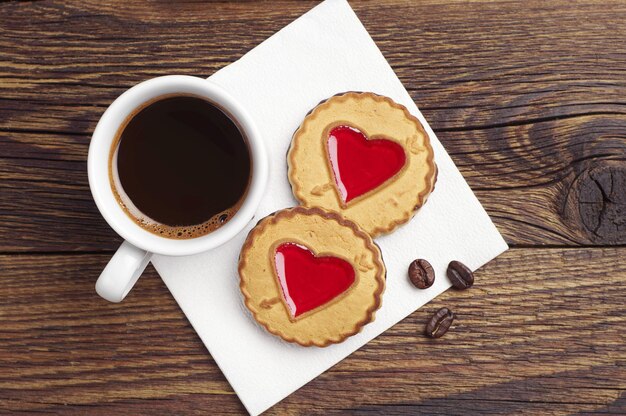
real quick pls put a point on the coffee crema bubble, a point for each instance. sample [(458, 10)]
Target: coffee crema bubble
[(180, 167)]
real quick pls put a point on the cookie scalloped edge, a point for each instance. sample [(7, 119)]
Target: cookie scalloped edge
[(431, 176), (329, 215)]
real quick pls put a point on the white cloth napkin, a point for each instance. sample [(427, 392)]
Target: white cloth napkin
[(324, 52)]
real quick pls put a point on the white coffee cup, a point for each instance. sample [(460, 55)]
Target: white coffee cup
[(130, 260)]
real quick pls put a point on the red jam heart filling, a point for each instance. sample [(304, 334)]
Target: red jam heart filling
[(360, 165), (307, 281)]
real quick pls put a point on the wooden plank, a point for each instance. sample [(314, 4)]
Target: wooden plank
[(468, 65), (528, 131), (532, 128), (542, 332), (557, 182), (45, 202)]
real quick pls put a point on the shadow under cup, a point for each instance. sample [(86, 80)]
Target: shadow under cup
[(180, 166)]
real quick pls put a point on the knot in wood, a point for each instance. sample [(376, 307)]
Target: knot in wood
[(600, 193)]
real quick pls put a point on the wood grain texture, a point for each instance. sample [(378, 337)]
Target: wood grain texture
[(524, 102), (541, 332), (526, 96)]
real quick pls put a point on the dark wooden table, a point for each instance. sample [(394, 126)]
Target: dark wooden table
[(528, 97)]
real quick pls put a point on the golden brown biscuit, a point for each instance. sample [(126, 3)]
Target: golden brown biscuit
[(365, 156), (310, 276)]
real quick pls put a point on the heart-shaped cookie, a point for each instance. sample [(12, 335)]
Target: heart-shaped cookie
[(310, 276), (364, 156), (360, 164), (308, 281)]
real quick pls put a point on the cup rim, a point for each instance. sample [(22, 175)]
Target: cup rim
[(98, 166)]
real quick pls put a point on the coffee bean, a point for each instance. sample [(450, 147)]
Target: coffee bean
[(439, 323), (421, 274), (460, 275)]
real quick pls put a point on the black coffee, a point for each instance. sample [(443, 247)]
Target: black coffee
[(180, 167)]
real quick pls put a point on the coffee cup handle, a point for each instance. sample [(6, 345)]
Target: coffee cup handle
[(122, 272)]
